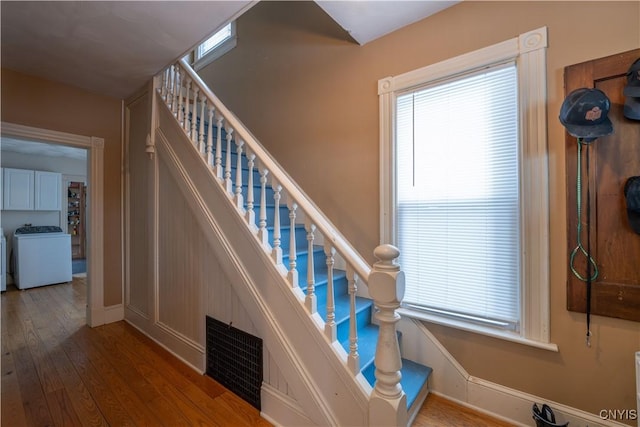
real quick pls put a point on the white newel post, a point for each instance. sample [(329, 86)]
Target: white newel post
[(388, 403)]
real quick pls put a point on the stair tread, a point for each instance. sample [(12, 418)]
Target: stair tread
[(342, 306), (321, 278), (367, 341), (414, 378)]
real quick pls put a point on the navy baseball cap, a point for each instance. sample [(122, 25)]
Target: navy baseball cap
[(631, 109), (584, 113), (633, 80), (632, 194), (632, 92)]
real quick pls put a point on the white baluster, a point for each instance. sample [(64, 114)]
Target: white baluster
[(218, 165), (168, 81), (174, 92), (293, 255), (276, 253), (168, 93), (310, 300), (330, 323), (263, 233), (163, 85), (239, 200), (210, 137), (187, 90), (194, 116), (227, 165), (388, 403), (180, 111), (201, 145), (353, 360), (250, 215)]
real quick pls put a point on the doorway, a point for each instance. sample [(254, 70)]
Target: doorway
[(75, 189), (95, 315)]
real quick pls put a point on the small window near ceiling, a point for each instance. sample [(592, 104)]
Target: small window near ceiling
[(215, 46)]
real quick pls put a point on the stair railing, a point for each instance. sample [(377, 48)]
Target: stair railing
[(196, 108)]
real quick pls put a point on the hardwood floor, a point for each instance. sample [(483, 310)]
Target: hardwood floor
[(440, 412), (56, 371)]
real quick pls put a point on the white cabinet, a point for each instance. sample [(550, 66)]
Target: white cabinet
[(48, 188), (27, 190), (18, 190)]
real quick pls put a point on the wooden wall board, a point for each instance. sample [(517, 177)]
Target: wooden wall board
[(612, 160)]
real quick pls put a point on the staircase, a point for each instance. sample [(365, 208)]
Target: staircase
[(321, 268)]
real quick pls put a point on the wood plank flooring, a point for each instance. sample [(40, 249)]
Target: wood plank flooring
[(56, 371), (440, 412)]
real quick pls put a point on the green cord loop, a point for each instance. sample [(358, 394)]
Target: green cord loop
[(579, 247)]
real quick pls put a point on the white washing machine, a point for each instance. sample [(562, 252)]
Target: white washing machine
[(42, 256)]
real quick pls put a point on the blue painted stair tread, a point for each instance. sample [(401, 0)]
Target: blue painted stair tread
[(285, 234), (367, 341), (414, 378), (414, 375)]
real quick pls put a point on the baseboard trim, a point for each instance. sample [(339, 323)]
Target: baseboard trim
[(453, 382), (113, 313), (193, 357), (281, 410), (103, 315), (514, 406)]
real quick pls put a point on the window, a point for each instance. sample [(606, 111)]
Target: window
[(215, 46), (464, 184)]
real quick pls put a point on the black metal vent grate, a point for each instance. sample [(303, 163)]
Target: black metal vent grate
[(234, 359)]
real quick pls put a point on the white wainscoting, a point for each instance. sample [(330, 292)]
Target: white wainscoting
[(168, 300)]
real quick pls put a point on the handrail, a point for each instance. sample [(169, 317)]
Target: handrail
[(322, 223)]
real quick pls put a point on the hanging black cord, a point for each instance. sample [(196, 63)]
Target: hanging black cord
[(592, 267), (588, 250)]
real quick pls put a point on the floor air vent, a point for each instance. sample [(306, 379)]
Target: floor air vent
[(234, 359)]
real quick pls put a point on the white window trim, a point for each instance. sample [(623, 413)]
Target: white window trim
[(216, 52), (529, 52)]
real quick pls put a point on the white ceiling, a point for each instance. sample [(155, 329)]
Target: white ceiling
[(114, 47), (367, 20), (107, 47)]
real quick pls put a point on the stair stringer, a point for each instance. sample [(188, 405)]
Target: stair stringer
[(314, 368)]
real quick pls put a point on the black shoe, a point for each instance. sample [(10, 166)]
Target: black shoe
[(545, 418)]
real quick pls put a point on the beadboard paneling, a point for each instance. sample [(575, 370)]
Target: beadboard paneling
[(185, 263), (224, 305), (191, 282), (138, 278)]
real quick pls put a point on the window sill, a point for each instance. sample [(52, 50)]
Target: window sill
[(479, 329)]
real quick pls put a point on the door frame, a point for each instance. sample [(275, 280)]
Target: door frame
[(95, 189)]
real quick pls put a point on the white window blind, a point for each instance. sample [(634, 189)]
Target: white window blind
[(457, 205)]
